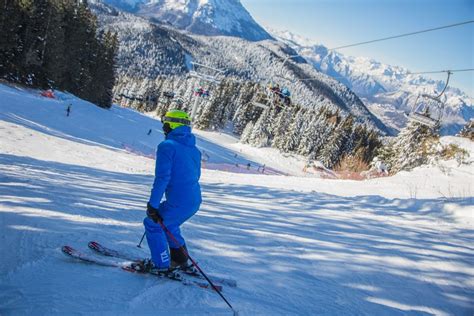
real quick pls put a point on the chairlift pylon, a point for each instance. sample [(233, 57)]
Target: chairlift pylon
[(212, 76)]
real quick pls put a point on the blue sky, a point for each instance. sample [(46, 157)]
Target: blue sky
[(339, 22)]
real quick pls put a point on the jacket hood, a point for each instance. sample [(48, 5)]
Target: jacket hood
[(182, 135)]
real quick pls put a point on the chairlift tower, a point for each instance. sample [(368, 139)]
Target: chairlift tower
[(212, 76)]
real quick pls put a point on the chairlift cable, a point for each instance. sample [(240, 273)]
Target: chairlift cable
[(403, 35), (440, 71), (445, 86)]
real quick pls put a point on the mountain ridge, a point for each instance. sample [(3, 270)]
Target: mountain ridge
[(203, 17), (388, 91)]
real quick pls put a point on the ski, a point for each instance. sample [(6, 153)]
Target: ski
[(101, 249), (126, 266)]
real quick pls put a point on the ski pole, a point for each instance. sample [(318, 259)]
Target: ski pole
[(196, 265), (141, 240)]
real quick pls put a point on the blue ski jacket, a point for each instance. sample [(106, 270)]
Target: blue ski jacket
[(177, 173)]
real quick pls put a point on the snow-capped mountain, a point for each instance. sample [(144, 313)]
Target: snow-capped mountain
[(149, 50), (388, 91), (204, 17)]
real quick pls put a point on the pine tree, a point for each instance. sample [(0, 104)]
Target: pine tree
[(325, 126), (281, 126), (332, 152), (261, 134), (13, 25), (54, 62), (247, 132), (293, 135), (309, 133), (245, 112), (468, 130), (412, 146), (208, 117)]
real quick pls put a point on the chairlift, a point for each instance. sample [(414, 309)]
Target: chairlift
[(131, 97), (272, 95), (263, 98), (201, 92), (427, 109), (205, 74)]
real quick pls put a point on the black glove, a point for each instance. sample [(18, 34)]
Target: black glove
[(153, 213)]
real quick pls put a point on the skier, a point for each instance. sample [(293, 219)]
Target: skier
[(177, 173), (198, 91), (275, 88), (285, 96), (68, 110), (48, 94)]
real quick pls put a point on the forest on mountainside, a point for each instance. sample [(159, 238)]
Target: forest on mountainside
[(56, 44)]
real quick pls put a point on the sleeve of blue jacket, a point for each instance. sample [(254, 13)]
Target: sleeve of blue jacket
[(164, 163)]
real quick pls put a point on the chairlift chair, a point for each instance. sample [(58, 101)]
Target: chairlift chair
[(428, 109), (206, 73), (263, 98)]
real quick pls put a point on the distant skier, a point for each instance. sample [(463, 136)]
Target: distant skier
[(198, 91), (68, 110), (285, 96), (149, 132), (275, 88), (48, 93), (177, 173), (204, 156)]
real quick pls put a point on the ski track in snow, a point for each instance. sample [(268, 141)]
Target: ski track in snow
[(297, 246)]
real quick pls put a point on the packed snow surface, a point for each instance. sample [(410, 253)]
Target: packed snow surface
[(296, 244)]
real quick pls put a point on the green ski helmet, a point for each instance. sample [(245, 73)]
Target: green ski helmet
[(176, 118)]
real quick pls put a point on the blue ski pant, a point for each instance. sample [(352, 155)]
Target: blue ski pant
[(158, 240)]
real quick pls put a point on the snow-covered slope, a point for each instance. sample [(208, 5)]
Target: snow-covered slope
[(297, 246), (205, 17), (388, 91)]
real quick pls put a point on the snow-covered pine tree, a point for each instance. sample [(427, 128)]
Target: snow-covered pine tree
[(261, 133), (281, 125), (412, 146), (468, 130), (245, 111), (325, 126), (333, 150), (310, 132), (228, 102), (293, 134), (212, 112), (247, 132), (348, 141)]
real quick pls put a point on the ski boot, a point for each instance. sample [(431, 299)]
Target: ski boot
[(147, 266), (185, 267)]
